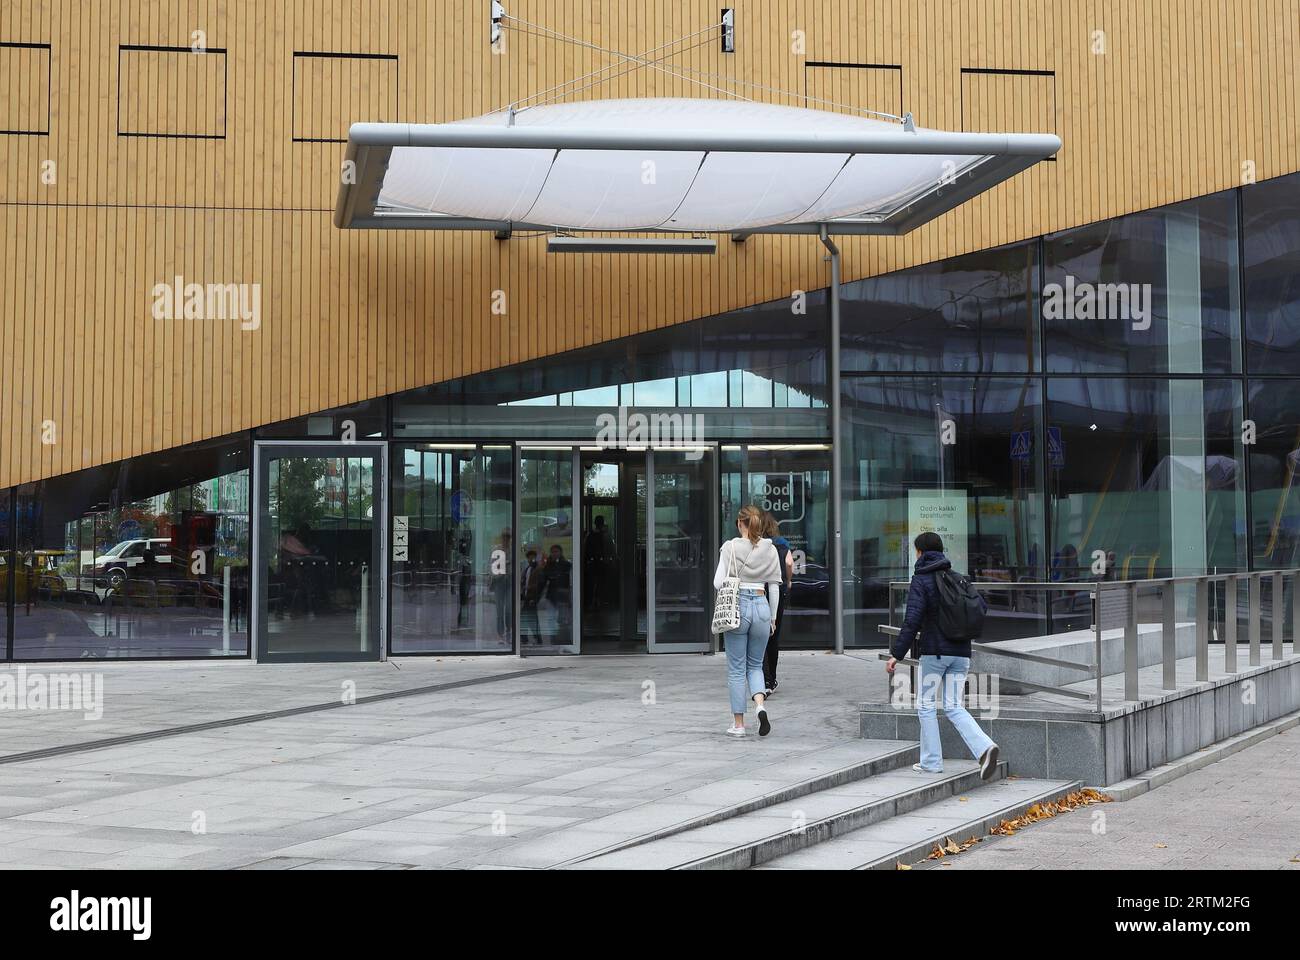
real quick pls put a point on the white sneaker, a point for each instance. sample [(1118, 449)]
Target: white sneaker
[(735, 731), (920, 769)]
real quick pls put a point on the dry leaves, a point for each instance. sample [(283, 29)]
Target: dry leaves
[(1039, 811), (1045, 811)]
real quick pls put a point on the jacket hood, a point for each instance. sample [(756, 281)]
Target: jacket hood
[(932, 561)]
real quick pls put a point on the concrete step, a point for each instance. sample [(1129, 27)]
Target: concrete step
[(782, 783), (910, 837), (781, 828)]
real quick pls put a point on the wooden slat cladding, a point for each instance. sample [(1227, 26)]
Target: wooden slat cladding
[(1176, 99), (25, 78), (330, 91), (171, 92)]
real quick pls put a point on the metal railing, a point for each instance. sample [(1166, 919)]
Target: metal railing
[(1213, 612)]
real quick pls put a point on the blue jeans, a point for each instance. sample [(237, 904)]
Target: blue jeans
[(745, 647), (950, 673)]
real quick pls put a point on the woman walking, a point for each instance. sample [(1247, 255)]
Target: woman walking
[(752, 560), (786, 560)]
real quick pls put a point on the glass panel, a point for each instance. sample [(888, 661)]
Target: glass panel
[(1145, 478), (960, 456), (971, 314), (794, 485), (142, 558), (1271, 244), (1275, 473), (450, 586), (359, 421), (546, 535), (320, 548), (1151, 292), (755, 372), (684, 557)]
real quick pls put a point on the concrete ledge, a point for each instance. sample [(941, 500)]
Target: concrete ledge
[(1159, 776), (1122, 741)]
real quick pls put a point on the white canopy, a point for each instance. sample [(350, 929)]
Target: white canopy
[(671, 165)]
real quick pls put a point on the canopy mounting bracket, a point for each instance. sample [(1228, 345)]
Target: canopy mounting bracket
[(496, 13), (728, 30)]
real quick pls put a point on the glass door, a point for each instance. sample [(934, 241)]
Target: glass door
[(320, 532), (683, 552), (549, 581)]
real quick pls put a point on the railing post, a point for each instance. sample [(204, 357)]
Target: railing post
[(1230, 625), (1252, 619), (1096, 626), (1169, 640), (1295, 614), (1131, 645), (1278, 610), (1202, 630)]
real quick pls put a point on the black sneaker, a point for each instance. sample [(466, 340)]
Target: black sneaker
[(764, 725), (989, 762)]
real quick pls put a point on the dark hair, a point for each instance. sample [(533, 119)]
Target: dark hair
[(929, 542)]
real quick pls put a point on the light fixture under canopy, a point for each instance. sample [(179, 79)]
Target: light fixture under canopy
[(675, 165)]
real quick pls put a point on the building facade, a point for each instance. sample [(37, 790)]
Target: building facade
[(431, 444)]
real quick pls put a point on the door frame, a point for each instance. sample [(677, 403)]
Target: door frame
[(576, 449), (262, 452)]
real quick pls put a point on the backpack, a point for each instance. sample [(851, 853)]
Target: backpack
[(961, 610)]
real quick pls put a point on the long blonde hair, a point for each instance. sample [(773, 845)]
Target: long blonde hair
[(752, 518)]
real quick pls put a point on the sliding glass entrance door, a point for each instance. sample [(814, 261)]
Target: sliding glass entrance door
[(616, 549), (319, 564)]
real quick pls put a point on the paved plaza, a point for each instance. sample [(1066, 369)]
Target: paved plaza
[(503, 762)]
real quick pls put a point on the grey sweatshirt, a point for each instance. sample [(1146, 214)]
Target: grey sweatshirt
[(752, 563)]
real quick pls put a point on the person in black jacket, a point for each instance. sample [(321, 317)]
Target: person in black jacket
[(944, 663)]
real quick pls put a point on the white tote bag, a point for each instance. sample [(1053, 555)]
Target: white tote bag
[(726, 608)]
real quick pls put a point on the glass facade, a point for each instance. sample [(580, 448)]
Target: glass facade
[(143, 558), (1119, 400)]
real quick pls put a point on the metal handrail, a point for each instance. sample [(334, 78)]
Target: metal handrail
[(1123, 613)]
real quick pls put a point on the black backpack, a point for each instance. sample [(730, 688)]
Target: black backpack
[(961, 611)]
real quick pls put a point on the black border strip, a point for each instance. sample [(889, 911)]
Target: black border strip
[(855, 66), (1005, 72), (155, 48), (49, 86), (259, 717), (328, 55)]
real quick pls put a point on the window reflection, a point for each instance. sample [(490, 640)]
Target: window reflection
[(969, 314), (1275, 473), (1150, 292), (1271, 244), (900, 472), (143, 558), (450, 587)]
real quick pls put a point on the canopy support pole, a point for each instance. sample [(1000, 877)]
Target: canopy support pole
[(837, 557)]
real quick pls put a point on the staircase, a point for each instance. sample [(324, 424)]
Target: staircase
[(869, 815)]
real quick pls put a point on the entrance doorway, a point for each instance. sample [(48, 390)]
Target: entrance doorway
[(319, 551), (616, 549), (613, 556)]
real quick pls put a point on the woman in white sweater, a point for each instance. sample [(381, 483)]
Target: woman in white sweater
[(754, 560)]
